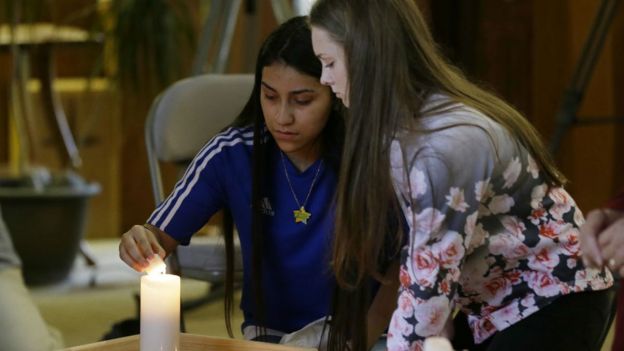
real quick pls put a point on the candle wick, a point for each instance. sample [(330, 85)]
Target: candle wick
[(156, 265)]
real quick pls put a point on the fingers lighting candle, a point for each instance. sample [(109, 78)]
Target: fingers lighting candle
[(160, 308)]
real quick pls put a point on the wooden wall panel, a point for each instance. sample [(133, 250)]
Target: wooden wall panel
[(550, 62), (617, 54), (455, 27), (491, 41), (135, 199), (587, 152), (526, 51), (504, 48), (5, 73)]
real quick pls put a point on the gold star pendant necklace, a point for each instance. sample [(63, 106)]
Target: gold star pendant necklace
[(301, 215)]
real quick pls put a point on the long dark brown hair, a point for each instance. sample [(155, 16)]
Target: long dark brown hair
[(393, 66), (291, 45)]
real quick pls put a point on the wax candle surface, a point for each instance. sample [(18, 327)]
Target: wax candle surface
[(160, 312), (437, 343)]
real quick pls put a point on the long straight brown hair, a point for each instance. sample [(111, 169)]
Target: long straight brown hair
[(393, 65)]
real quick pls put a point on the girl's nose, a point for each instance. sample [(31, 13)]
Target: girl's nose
[(284, 115), (325, 79)]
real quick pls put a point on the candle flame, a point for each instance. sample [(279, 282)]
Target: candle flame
[(156, 265)]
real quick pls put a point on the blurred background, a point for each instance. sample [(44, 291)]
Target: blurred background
[(118, 55), (77, 78)]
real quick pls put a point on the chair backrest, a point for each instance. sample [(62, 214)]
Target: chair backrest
[(181, 120), (187, 114)]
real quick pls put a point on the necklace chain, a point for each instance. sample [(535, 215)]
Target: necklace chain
[(292, 190)]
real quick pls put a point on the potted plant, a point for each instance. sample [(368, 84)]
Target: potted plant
[(44, 209)]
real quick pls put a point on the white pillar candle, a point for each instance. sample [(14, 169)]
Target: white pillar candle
[(437, 343), (160, 309)]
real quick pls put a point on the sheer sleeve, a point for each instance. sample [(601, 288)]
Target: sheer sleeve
[(440, 181)]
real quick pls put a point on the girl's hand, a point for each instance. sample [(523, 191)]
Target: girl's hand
[(137, 245)]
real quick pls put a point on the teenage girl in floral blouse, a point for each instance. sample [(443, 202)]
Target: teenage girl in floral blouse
[(491, 231)]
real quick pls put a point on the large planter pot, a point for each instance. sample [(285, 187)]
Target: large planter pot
[(46, 227)]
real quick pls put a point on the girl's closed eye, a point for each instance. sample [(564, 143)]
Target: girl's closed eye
[(270, 97), (303, 98), (303, 102), (329, 65)]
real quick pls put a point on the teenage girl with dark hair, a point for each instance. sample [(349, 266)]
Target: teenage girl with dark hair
[(275, 171)]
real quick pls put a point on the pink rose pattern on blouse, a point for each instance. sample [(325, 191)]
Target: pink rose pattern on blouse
[(486, 234)]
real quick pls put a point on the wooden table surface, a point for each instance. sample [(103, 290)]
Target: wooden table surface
[(188, 342)]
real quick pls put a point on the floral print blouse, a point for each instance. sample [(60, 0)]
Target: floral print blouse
[(486, 232)]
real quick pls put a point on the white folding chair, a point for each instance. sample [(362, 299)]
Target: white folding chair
[(181, 120)]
